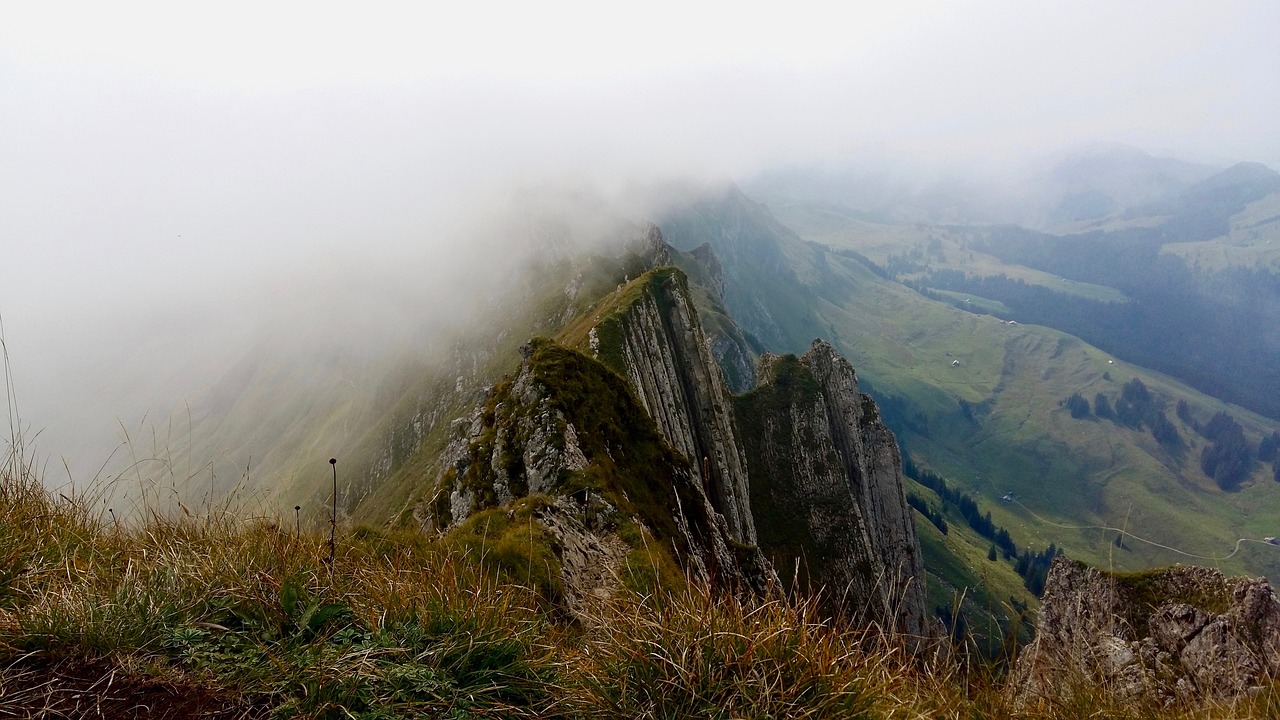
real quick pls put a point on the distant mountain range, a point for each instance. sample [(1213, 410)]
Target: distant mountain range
[(1088, 184)]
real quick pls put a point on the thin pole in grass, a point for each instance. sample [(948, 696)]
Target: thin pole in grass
[(297, 521), (333, 517)]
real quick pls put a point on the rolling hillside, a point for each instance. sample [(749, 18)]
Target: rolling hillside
[(978, 400)]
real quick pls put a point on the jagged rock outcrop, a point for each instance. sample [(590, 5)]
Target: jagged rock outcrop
[(827, 490), (733, 352), (707, 257), (1178, 633), (653, 337), (568, 428), (651, 248), (645, 431)]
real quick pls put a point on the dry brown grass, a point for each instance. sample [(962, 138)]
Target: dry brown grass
[(248, 618)]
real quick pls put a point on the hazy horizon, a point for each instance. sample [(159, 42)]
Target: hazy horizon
[(170, 178)]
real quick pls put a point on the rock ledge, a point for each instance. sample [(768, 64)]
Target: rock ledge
[(1172, 634)]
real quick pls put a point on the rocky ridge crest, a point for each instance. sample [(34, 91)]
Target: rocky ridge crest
[(626, 422), (827, 489), (569, 430)]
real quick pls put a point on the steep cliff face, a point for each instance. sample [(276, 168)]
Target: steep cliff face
[(567, 429), (734, 352), (826, 489), (1178, 633), (652, 336), (637, 429)]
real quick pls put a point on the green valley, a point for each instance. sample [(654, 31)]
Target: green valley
[(978, 400)]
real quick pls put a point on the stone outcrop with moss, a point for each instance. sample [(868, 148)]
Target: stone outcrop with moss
[(627, 429), (619, 504), (1174, 634), (653, 338), (827, 489)]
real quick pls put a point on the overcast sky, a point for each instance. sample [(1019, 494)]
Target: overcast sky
[(159, 156)]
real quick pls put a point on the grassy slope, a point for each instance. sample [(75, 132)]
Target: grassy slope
[(951, 251), (220, 618), (1064, 472), (1252, 241), (960, 573)]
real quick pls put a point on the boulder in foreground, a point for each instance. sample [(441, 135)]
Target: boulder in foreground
[(1174, 634)]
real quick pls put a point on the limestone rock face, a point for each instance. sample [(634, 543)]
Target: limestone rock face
[(1179, 633), (656, 341), (732, 357), (827, 490), (568, 428), (798, 476), (705, 255), (515, 444)]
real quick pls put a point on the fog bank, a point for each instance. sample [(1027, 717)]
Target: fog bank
[(178, 184)]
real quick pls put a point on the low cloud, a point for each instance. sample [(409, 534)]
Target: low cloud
[(175, 185)]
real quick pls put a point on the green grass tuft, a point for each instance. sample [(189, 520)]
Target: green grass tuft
[(226, 617)]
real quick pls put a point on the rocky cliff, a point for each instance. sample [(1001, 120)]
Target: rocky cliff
[(827, 491), (627, 421), (569, 430), (1173, 634), (652, 336), (730, 345)]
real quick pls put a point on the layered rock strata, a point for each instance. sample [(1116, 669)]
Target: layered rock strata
[(655, 340), (568, 428)]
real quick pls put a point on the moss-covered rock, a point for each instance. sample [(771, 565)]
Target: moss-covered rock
[(826, 489), (620, 502), (1167, 635)]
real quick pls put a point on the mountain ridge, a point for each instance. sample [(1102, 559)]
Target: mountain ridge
[(549, 440), (972, 378)]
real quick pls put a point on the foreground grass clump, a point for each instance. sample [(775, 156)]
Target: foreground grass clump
[(227, 618), (397, 627), (699, 655)]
